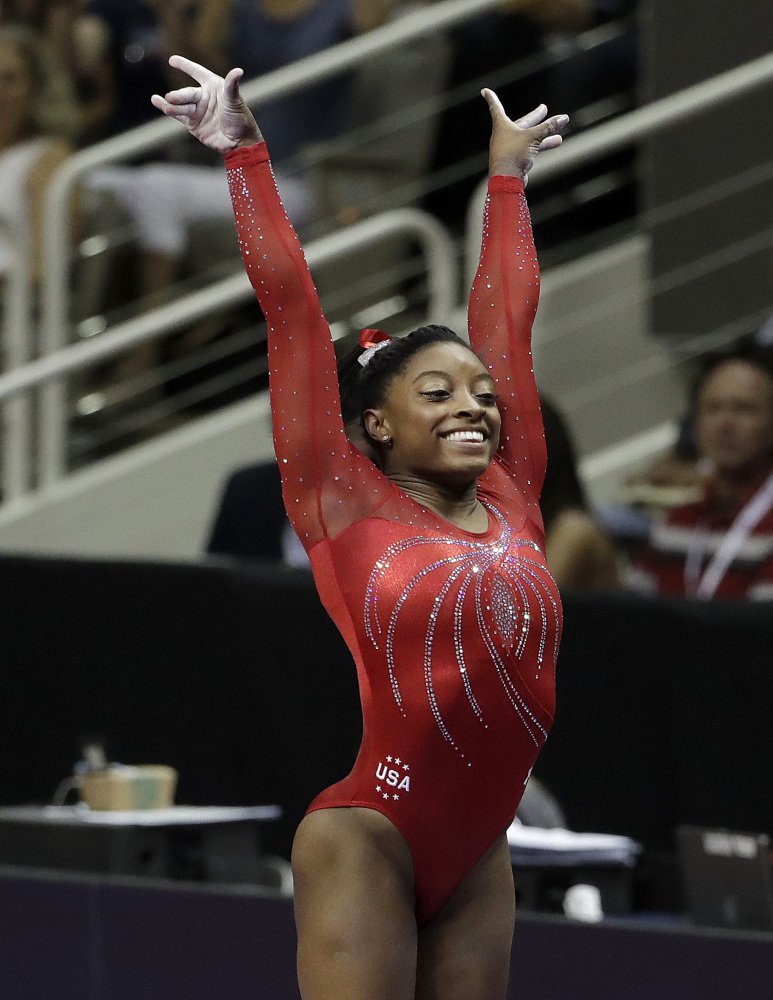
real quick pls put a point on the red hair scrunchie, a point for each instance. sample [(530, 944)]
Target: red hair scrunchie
[(372, 340)]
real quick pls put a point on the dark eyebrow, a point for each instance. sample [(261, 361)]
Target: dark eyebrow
[(443, 374)]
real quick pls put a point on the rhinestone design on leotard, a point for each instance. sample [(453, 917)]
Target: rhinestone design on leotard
[(502, 566), (467, 642)]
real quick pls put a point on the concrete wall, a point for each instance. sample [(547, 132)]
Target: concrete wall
[(155, 501), (593, 353)]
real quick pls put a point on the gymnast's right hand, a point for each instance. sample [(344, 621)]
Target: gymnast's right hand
[(213, 111)]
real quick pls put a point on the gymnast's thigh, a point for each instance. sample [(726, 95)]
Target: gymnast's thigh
[(354, 907), (464, 950)]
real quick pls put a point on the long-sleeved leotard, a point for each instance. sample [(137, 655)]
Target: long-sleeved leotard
[(454, 634)]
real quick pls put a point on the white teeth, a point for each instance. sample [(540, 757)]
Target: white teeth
[(464, 436)]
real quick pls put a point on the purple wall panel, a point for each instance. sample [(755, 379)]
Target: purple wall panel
[(97, 939)]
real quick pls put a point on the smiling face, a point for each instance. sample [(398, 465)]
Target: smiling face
[(440, 416), (734, 419)]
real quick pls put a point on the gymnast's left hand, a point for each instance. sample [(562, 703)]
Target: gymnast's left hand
[(213, 111), (515, 145)]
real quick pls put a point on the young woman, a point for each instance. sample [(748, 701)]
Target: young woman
[(430, 560)]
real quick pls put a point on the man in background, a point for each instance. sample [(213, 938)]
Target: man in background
[(721, 545)]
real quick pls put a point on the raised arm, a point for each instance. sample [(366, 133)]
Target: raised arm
[(314, 456), (505, 292)]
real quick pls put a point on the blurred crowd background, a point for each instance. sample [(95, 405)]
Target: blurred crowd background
[(151, 587), (149, 224)]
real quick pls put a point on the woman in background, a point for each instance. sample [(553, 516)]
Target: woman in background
[(580, 554), (36, 118)]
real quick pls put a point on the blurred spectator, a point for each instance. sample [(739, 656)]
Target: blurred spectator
[(122, 48), (503, 49), (111, 50), (51, 20), (523, 49), (598, 73), (250, 522), (165, 200), (36, 119), (721, 545), (263, 35), (579, 553)]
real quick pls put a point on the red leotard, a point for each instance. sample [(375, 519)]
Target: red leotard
[(454, 634)]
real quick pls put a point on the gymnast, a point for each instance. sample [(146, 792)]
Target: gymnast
[(427, 547)]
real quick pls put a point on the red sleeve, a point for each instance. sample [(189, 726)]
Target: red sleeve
[(502, 307), (326, 483)]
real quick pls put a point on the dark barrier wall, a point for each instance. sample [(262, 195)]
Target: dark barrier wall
[(665, 716), (92, 940), (238, 679)]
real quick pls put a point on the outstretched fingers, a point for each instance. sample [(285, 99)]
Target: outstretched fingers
[(199, 73), (533, 118), (547, 135), (172, 110), (184, 102), (547, 132), (231, 85), (178, 103), (551, 142), (185, 95), (494, 105)]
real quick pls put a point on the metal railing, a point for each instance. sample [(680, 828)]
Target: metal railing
[(596, 388), (629, 128), (287, 80), (431, 236), (16, 350), (49, 371), (56, 292)]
